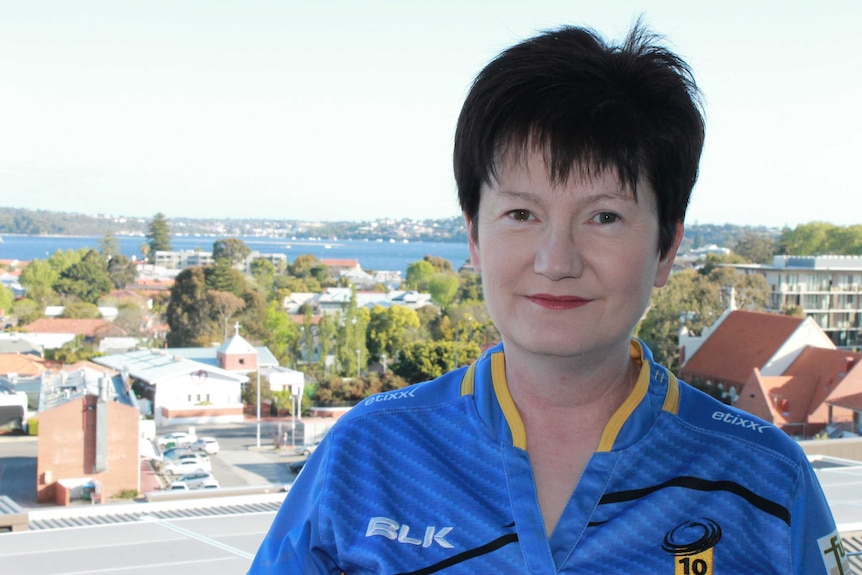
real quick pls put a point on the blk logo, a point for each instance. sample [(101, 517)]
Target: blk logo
[(403, 533)]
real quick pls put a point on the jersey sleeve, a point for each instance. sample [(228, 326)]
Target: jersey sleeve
[(815, 542), (294, 543)]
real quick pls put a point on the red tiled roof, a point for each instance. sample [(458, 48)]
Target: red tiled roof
[(85, 327), (853, 402), (22, 364), (802, 394), (343, 263), (743, 341)]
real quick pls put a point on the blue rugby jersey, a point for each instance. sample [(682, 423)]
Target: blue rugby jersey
[(434, 478)]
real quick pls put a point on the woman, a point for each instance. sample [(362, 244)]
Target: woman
[(565, 449)]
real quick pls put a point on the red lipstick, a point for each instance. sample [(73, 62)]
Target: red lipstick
[(557, 302)]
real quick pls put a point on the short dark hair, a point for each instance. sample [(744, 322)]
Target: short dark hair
[(586, 105)]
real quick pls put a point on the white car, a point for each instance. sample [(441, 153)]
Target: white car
[(187, 465), (196, 480), (206, 444), (177, 438)]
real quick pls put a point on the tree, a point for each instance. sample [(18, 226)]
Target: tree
[(443, 287), (389, 329), (130, 317), (122, 271), (109, 246), (188, 312), (39, 278), (81, 310), (424, 360), (441, 265), (87, 279), (263, 273), (233, 250), (158, 236), (6, 299), (282, 334), (27, 311), (688, 300), (419, 275), (756, 249), (223, 305), (222, 277)]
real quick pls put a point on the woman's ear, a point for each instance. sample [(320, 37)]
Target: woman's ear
[(665, 263)]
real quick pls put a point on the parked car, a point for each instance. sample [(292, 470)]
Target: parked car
[(308, 448), (206, 444), (196, 480), (176, 452), (296, 466), (177, 438), (186, 465)]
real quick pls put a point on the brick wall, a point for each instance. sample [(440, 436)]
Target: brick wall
[(67, 447)]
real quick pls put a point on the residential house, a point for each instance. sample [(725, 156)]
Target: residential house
[(12, 342), (782, 369), (811, 395), (88, 437), (739, 341), (20, 365), (52, 333), (827, 288)]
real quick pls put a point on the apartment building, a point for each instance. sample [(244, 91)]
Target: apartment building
[(827, 288)]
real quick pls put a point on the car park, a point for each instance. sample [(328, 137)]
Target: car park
[(195, 480), (206, 444), (186, 465)]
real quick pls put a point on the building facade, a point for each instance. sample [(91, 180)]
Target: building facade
[(828, 289)]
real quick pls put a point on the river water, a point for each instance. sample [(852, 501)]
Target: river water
[(372, 255)]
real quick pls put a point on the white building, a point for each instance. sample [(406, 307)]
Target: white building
[(827, 288)]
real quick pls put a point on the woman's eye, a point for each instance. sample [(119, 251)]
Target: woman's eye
[(606, 218), (520, 215)]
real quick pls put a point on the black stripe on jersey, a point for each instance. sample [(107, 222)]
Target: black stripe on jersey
[(460, 557), (699, 484)]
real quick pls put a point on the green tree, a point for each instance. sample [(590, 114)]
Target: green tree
[(389, 329), (248, 395), (61, 260), (806, 239), (443, 288), (233, 250), (689, 299), (263, 273), (158, 236), (222, 277), (6, 299), (188, 313), (419, 275), (755, 248), (38, 278), (469, 286), (109, 247), (87, 279), (72, 351), (424, 360), (441, 265), (122, 271), (27, 311), (82, 310), (282, 334)]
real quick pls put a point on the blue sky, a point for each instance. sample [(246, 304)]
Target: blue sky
[(344, 110)]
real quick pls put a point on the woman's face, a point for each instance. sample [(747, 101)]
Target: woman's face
[(567, 269)]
